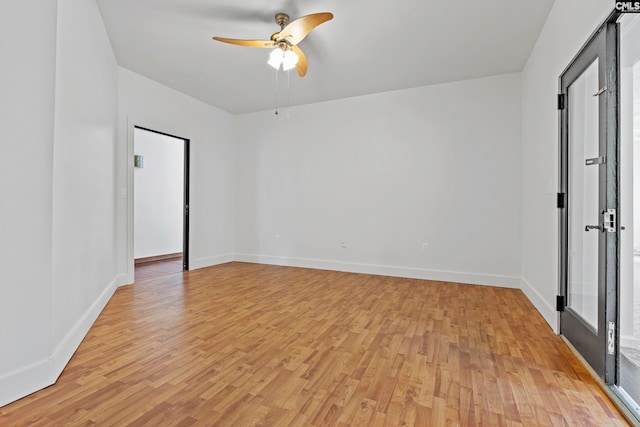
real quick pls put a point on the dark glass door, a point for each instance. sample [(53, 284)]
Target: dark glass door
[(588, 217)]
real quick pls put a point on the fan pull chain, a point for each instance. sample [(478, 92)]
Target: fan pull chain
[(288, 94), (276, 92)]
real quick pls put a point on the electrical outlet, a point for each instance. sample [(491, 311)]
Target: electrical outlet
[(277, 237), (425, 247), (343, 244)]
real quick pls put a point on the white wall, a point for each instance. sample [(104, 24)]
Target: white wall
[(84, 192), (28, 49), (568, 27), (60, 244), (148, 104), (159, 190), (387, 172)]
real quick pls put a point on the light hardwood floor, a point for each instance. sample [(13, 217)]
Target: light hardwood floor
[(247, 344)]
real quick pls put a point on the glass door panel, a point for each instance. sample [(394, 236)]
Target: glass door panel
[(584, 178)]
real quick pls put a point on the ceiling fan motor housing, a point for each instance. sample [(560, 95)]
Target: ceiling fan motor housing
[(282, 19)]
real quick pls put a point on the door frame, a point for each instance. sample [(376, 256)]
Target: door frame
[(603, 44), (185, 205)]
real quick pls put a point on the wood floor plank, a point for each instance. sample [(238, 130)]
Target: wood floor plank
[(247, 344)]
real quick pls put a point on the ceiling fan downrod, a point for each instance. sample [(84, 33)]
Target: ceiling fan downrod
[(282, 19)]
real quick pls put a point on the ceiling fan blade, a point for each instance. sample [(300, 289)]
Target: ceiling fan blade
[(298, 29), (250, 43), (301, 66)]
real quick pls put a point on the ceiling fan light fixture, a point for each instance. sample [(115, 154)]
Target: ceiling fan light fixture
[(276, 58), (289, 60), (290, 35)]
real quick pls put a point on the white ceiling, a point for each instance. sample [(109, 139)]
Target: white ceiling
[(370, 46)]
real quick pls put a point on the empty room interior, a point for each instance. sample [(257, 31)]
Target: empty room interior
[(416, 213)]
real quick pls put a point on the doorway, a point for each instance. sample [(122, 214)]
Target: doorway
[(161, 201)]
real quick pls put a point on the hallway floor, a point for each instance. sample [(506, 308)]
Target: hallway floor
[(153, 269)]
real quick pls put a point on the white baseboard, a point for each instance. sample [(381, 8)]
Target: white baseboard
[(195, 264), (20, 383), (547, 310), (68, 346), (386, 270), (121, 280)]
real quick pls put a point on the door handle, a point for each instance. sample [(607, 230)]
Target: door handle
[(593, 227)]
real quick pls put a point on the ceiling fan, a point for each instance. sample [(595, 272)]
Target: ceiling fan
[(285, 42)]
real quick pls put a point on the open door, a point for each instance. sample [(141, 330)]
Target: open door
[(588, 202)]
